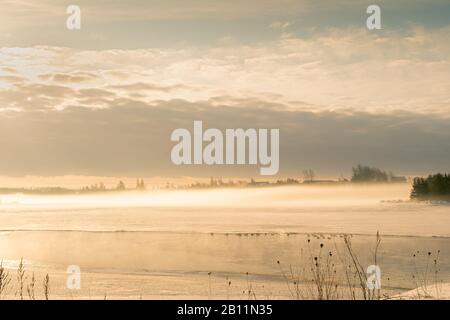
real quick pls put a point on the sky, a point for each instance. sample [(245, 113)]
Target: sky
[(103, 100)]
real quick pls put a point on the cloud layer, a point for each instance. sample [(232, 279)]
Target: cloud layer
[(337, 69), (339, 94), (132, 138)]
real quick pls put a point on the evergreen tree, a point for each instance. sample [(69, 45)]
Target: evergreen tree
[(435, 186)]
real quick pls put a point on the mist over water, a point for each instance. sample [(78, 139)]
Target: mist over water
[(362, 209), (164, 243), (233, 197)]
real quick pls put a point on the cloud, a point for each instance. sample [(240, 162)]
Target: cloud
[(278, 25), (339, 97), (8, 70), (34, 96), (95, 93), (12, 79), (334, 70), (133, 138), (115, 10), (69, 78), (185, 23), (140, 87)]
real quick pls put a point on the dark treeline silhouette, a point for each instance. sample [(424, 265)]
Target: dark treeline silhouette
[(94, 188), (100, 187), (37, 191), (372, 174), (434, 187), (140, 184), (121, 186), (368, 174)]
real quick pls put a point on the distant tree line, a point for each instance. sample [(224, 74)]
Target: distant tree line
[(436, 186), (100, 187), (369, 174), (372, 174)]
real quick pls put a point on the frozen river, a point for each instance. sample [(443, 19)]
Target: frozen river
[(200, 244)]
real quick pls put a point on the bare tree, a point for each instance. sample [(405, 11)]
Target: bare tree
[(309, 175)]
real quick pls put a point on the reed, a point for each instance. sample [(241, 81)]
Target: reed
[(5, 279), (20, 278), (46, 285)]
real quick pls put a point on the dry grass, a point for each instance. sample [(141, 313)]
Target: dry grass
[(46, 285), (339, 274), (5, 279), (329, 274), (21, 278), (30, 288), (426, 274), (318, 279), (6, 284), (355, 270)]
